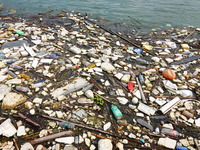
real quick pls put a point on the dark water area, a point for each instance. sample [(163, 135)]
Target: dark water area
[(143, 14)]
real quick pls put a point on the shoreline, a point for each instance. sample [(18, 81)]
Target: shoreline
[(64, 72)]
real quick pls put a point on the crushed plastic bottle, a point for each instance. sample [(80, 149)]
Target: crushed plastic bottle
[(22, 88), (170, 132)]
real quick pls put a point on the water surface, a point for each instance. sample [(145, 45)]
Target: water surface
[(148, 13)]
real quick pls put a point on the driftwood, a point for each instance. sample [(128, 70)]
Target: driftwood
[(28, 120)]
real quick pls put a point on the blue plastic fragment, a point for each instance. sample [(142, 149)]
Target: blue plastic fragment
[(11, 61), (142, 140), (51, 56), (58, 53), (181, 148), (39, 81), (138, 50)]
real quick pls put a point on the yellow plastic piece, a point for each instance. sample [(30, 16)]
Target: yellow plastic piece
[(185, 46), (24, 76), (10, 29), (91, 66), (147, 47)]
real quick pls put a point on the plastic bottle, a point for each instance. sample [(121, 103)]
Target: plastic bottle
[(187, 114), (116, 112), (16, 67), (170, 132), (141, 67), (142, 61), (22, 89), (141, 78), (12, 74), (37, 85)]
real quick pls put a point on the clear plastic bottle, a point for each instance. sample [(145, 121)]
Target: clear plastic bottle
[(12, 74), (142, 61), (170, 132), (22, 89)]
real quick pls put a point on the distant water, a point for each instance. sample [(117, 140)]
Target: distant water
[(144, 13)]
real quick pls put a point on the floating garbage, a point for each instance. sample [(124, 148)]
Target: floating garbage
[(112, 88)]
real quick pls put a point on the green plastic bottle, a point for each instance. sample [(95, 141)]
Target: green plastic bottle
[(116, 112)]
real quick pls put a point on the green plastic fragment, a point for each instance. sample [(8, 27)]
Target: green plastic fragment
[(97, 100), (19, 32)]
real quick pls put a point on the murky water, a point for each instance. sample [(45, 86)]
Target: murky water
[(147, 13)]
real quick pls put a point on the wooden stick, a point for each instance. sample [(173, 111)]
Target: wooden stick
[(16, 145), (28, 120), (104, 98), (51, 137)]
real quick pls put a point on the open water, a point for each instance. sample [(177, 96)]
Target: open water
[(146, 13)]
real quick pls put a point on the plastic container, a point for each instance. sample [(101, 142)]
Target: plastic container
[(170, 132), (116, 112)]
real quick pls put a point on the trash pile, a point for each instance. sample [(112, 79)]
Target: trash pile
[(68, 83)]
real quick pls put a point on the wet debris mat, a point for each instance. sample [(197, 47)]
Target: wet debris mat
[(67, 82)]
